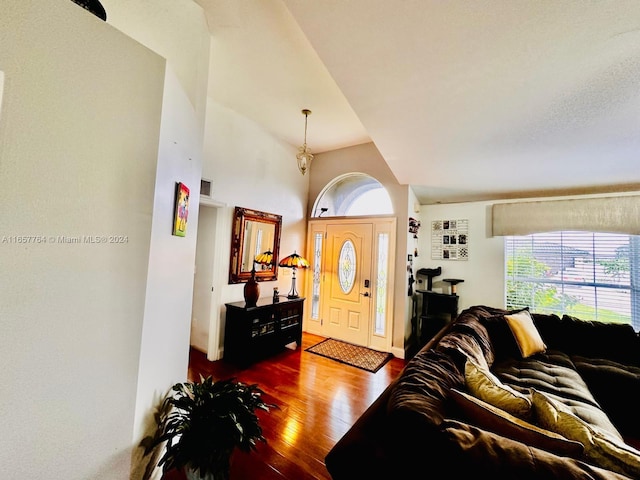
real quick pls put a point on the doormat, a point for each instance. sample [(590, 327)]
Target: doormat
[(349, 354)]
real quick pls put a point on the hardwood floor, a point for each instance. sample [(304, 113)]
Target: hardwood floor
[(318, 399)]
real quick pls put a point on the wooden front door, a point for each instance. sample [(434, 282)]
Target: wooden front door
[(350, 283), (349, 286)]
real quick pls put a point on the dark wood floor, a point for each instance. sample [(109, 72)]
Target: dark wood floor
[(318, 399)]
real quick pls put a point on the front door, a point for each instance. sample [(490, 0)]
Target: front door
[(349, 287), (350, 282)]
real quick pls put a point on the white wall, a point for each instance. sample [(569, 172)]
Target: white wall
[(483, 272), (176, 30), (252, 169), (79, 137), (164, 354), (366, 158)]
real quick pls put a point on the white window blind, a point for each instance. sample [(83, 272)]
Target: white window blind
[(590, 275)]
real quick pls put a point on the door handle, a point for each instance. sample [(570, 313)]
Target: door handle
[(365, 294)]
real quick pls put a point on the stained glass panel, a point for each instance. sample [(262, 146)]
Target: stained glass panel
[(381, 284), (317, 262), (347, 266)]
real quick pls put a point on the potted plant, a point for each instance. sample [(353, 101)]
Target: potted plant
[(202, 423)]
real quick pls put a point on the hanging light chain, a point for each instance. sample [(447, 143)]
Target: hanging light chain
[(306, 117)]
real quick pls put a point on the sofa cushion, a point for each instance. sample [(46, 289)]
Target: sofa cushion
[(484, 385), (613, 341), (460, 342), (554, 373), (493, 419), (468, 323), (526, 334), (600, 447), (616, 387), (503, 343), (477, 453), (548, 324)]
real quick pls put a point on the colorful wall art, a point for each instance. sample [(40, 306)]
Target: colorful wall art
[(181, 210)]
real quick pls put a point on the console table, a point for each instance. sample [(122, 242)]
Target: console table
[(252, 333)]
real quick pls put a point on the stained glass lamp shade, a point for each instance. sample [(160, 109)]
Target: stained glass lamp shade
[(264, 258), (294, 261)]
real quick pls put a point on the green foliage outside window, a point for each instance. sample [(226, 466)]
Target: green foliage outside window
[(525, 287)]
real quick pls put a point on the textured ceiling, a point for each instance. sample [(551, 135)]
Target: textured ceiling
[(466, 100)]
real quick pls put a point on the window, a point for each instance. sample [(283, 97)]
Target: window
[(381, 284), (592, 276), (353, 194), (317, 262)]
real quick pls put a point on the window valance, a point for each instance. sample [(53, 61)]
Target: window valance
[(605, 214)]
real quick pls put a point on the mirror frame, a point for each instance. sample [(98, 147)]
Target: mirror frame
[(240, 217)]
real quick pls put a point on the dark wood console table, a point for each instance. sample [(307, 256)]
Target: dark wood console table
[(252, 333)]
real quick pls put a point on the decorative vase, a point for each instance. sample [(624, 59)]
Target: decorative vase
[(251, 290)]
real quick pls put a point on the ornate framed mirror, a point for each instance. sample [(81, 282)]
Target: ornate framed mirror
[(254, 233)]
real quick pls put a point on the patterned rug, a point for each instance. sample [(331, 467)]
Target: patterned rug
[(354, 355)]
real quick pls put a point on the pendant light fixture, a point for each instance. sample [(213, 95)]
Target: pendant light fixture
[(304, 154)]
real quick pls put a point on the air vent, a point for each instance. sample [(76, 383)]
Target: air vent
[(205, 188)]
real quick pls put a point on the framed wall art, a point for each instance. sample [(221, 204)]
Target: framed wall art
[(181, 210), (450, 240)]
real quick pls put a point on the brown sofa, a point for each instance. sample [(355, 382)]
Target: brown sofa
[(422, 427)]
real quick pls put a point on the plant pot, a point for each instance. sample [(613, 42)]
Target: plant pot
[(194, 475)]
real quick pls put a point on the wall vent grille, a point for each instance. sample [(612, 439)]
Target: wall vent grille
[(205, 188)]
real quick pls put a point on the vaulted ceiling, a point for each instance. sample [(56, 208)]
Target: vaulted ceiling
[(465, 100)]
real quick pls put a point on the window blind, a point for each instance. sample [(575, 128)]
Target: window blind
[(590, 275)]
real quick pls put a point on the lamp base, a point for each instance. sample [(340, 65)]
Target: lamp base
[(293, 293)]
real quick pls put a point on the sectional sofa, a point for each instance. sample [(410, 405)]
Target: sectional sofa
[(505, 395)]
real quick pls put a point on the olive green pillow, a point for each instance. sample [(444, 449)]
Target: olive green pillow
[(493, 419), (484, 385), (601, 449)]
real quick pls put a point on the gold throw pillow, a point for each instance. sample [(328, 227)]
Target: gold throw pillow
[(526, 334)]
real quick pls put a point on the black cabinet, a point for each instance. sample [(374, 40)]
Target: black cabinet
[(436, 311), (252, 333)]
